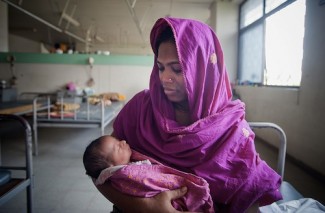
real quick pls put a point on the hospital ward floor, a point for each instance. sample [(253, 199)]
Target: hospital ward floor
[(61, 186)]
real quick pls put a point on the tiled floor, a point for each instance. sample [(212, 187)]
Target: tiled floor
[(62, 187)]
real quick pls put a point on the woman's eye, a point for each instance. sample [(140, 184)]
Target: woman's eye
[(161, 68), (176, 69)]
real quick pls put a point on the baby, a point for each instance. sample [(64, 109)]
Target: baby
[(133, 173)]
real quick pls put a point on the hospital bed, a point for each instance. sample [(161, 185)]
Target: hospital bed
[(10, 185), (18, 107), (72, 111)]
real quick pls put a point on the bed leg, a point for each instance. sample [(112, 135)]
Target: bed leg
[(35, 141)]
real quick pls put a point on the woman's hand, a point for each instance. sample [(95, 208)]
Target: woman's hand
[(161, 203)]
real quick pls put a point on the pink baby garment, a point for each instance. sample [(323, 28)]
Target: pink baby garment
[(147, 178)]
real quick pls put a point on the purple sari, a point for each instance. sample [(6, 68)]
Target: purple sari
[(219, 145)]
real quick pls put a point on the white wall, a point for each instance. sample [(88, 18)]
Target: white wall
[(224, 21), (127, 80), (301, 112), (227, 32)]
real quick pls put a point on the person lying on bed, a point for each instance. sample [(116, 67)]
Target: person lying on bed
[(130, 172)]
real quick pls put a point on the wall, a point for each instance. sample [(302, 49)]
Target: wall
[(127, 80), (299, 112), (224, 21), (17, 42), (227, 32), (37, 72), (3, 27)]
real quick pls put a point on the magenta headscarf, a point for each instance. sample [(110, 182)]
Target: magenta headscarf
[(218, 145)]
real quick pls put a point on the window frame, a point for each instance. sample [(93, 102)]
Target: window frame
[(260, 21)]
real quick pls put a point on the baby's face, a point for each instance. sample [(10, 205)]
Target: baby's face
[(118, 152)]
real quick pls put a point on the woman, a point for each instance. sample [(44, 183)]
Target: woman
[(188, 121)]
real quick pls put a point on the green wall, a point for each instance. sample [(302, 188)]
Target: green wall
[(77, 59)]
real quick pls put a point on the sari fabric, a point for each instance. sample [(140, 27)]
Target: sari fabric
[(218, 145)]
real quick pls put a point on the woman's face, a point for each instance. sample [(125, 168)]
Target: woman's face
[(170, 72), (117, 152)]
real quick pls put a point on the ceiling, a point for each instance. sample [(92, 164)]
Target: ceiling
[(118, 26)]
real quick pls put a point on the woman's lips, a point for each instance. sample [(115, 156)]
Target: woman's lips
[(169, 91)]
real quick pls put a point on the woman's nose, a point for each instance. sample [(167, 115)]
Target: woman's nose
[(166, 77)]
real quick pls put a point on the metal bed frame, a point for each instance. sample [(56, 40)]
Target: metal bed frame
[(107, 114), (16, 185), (287, 190)]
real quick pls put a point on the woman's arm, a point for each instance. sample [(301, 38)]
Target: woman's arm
[(160, 203)]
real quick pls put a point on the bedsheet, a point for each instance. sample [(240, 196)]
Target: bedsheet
[(302, 205)]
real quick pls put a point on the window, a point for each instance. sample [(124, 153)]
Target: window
[(251, 11), (272, 4), (271, 47)]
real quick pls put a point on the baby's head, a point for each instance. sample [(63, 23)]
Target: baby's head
[(104, 152)]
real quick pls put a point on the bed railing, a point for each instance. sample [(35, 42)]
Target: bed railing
[(287, 190), (78, 111), (16, 185), (282, 142)]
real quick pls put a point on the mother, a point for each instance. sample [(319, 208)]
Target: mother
[(187, 120)]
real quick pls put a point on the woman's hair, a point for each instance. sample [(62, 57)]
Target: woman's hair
[(94, 162), (166, 35)]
